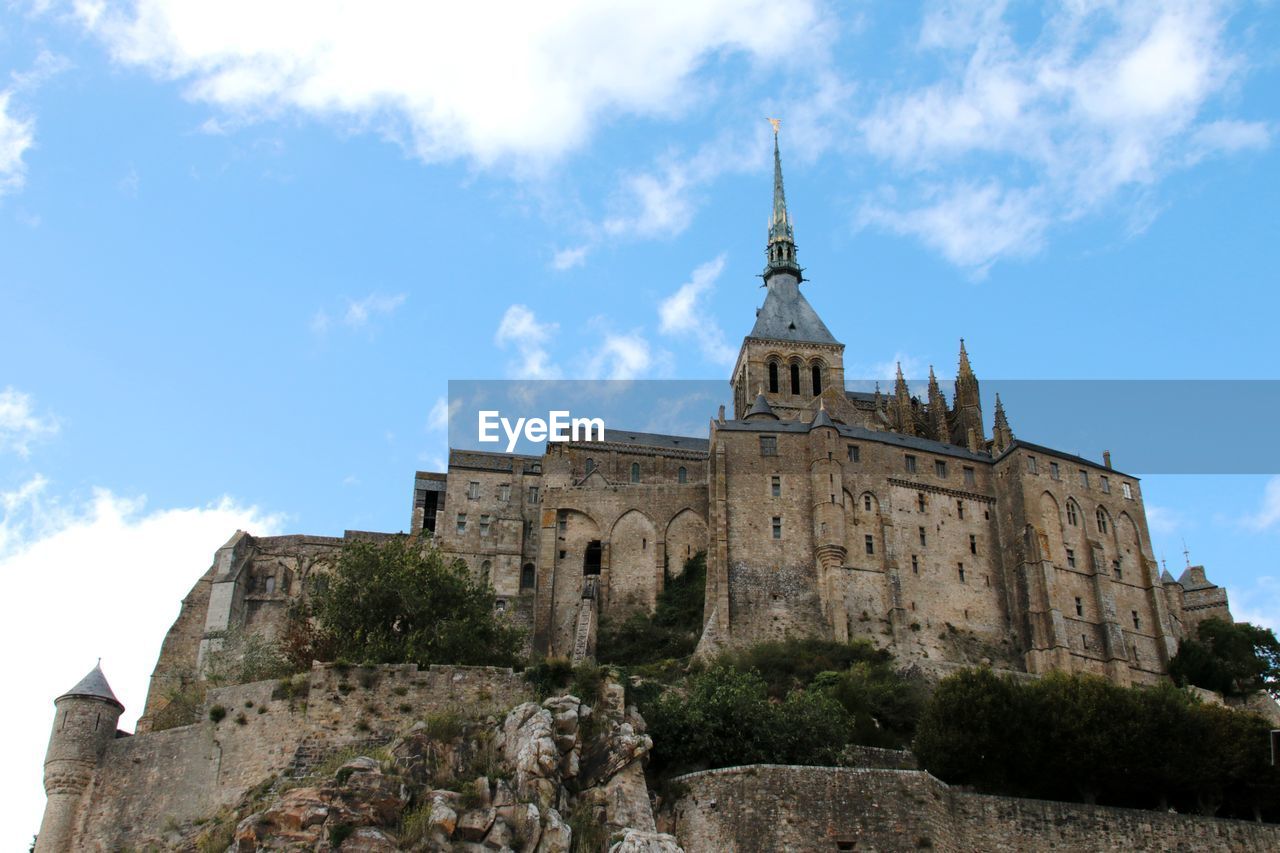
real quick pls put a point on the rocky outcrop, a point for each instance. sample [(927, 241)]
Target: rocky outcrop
[(524, 783)]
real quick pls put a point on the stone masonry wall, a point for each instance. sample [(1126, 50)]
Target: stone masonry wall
[(772, 807), (182, 774)]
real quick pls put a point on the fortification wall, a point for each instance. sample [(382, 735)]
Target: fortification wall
[(772, 807), (270, 728)]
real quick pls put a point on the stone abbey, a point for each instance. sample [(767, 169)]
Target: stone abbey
[(821, 512)]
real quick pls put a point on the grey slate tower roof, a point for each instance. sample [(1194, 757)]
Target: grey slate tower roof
[(762, 408), (94, 686), (822, 419), (1165, 577), (787, 316)]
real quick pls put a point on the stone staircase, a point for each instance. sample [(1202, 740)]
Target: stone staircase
[(584, 631)]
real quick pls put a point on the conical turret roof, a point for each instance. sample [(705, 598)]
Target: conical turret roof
[(821, 419), (94, 686), (761, 408)]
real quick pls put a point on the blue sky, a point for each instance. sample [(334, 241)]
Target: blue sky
[(242, 252)]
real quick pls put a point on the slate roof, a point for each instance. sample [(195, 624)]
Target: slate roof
[(94, 686), (787, 316), (654, 439), (761, 407), (926, 445)]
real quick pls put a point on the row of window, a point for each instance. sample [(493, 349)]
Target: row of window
[(682, 474), (1137, 620), (504, 492), (815, 377), (1073, 516), (1104, 482), (1116, 565)]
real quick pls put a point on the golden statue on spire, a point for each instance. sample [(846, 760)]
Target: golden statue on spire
[(775, 122)]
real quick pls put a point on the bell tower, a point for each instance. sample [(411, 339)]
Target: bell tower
[(790, 356)]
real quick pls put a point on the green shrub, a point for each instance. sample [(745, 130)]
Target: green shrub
[(549, 676), (444, 725), (673, 629), (786, 665), (217, 713)]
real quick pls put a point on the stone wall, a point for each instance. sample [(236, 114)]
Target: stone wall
[(270, 728), (772, 807)]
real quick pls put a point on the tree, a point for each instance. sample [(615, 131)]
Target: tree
[(400, 601), (1234, 659)]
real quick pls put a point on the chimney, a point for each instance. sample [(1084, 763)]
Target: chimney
[(1106, 458)]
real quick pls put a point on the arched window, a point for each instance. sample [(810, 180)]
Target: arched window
[(270, 585), (773, 377), (817, 379), (1102, 520), (635, 472), (1073, 514), (682, 475), (591, 466), (526, 576), (866, 502), (795, 378)]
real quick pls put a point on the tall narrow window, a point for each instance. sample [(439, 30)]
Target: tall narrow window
[(817, 379), (866, 502), (504, 492), (775, 486), (1104, 484), (1071, 558), (473, 490), (768, 445), (533, 494), (920, 503), (970, 476), (1079, 606), (1054, 472), (462, 522), (795, 379), (973, 544), (915, 565), (960, 569), (853, 453), (777, 527), (484, 524), (526, 576), (773, 377), (940, 468), (960, 509), (1031, 465), (870, 543), (591, 466), (1118, 569), (1137, 622), (682, 475), (910, 462), (1073, 515), (1084, 478), (1128, 491), (922, 537), (635, 472), (1102, 520)]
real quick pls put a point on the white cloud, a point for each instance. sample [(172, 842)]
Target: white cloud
[(20, 425), (566, 259), (320, 322), (1268, 514), (620, 356), (685, 312), (360, 312), (102, 577), (1163, 521), (520, 329), (445, 77), (16, 137), (1259, 603), (1106, 98), (657, 205), (442, 411)]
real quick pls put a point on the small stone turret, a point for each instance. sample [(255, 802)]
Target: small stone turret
[(84, 723)]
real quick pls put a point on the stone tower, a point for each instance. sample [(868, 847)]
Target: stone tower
[(790, 355), (84, 723)]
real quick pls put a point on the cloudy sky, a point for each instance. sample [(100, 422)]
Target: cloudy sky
[(244, 245)]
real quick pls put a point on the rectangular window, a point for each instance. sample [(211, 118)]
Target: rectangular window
[(1053, 471), (1119, 571), (775, 486), (853, 453), (768, 445), (504, 492), (562, 524), (1128, 491), (1105, 483), (777, 527), (1031, 465), (910, 463), (922, 538), (973, 544), (473, 490), (484, 525), (1079, 606), (940, 468), (960, 510), (1084, 478), (462, 522), (1137, 623), (915, 565), (528, 530), (920, 501), (533, 494), (960, 567), (970, 476), (870, 543), (1071, 558)]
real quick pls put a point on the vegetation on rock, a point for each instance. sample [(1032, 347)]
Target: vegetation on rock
[(671, 631), (1081, 737), (1231, 659)]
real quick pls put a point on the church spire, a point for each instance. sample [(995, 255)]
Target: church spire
[(781, 249)]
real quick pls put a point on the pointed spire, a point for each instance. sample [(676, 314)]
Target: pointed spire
[(937, 410), (761, 409), (1001, 420), (780, 252), (965, 368), (94, 686), (1001, 434), (821, 418)]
